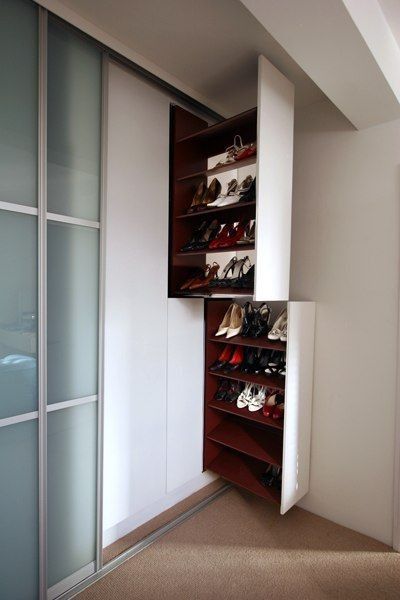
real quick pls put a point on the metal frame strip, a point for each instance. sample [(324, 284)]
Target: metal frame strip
[(102, 262), (42, 300)]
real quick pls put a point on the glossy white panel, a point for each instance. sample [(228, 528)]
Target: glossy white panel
[(274, 182), (298, 403)]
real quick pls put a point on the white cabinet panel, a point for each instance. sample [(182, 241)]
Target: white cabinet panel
[(185, 391), (274, 182), (136, 297), (298, 403)]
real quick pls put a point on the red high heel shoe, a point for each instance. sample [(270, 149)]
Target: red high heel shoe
[(223, 358), (222, 236), (233, 236), (279, 411), (236, 360)]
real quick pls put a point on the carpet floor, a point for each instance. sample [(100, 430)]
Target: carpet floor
[(240, 547)]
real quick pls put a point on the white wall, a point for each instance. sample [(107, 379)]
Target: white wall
[(345, 256), (153, 421)]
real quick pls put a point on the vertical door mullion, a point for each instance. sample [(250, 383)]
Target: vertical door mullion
[(100, 402), (42, 299)]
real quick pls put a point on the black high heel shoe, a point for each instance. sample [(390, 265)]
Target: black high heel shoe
[(250, 194), (261, 321), (248, 318), (263, 361), (250, 360), (197, 235), (223, 281), (244, 280), (208, 236)]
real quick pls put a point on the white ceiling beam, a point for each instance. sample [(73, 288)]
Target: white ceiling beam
[(345, 46)]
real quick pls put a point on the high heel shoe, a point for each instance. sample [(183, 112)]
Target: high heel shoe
[(262, 362), (235, 361), (237, 280), (197, 274), (226, 231), (223, 359), (261, 320), (208, 276), (236, 322), (224, 280), (249, 235), (250, 361), (230, 189), (240, 190), (222, 390), (278, 328), (197, 235), (234, 234), (207, 236), (258, 399), (250, 194), (212, 192), (224, 325), (274, 362), (248, 317), (198, 197), (245, 397)]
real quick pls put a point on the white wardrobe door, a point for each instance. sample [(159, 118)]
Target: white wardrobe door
[(136, 297)]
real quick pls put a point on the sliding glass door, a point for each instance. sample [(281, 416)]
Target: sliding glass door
[(73, 219), (19, 517), (50, 191)]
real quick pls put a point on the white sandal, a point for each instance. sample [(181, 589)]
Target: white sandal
[(258, 400), (245, 397)]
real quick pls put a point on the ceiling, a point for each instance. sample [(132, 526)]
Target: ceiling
[(211, 46)]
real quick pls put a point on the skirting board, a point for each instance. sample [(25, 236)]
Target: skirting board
[(121, 529)]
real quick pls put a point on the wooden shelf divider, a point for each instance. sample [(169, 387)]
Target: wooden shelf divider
[(257, 416)]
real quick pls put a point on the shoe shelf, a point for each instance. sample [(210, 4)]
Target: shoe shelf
[(247, 209), (239, 444), (238, 248), (193, 143), (248, 440), (247, 162), (245, 472), (245, 122), (243, 413), (273, 382), (237, 340)]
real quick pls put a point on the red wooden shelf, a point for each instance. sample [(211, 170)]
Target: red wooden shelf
[(257, 417), (274, 382), (258, 443), (216, 293), (253, 342), (226, 127), (220, 209), (236, 248), (231, 167), (244, 472)]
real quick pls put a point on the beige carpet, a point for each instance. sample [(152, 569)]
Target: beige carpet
[(240, 547)]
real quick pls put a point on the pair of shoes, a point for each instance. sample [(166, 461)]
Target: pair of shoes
[(201, 279), (279, 329), (204, 195), (228, 391), (238, 151), (274, 406), (255, 320), (272, 477), (253, 396), (230, 359), (233, 194), (229, 235), (276, 363), (202, 236), (234, 276), (232, 322), (270, 362)]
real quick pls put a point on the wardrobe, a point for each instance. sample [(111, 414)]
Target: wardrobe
[(107, 415)]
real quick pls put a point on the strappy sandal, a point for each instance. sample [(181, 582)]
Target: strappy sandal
[(258, 400), (245, 397), (208, 276), (220, 282)]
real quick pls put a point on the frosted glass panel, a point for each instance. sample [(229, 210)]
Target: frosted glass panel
[(18, 313), (74, 121), (72, 288), (72, 440), (18, 101), (19, 511)]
